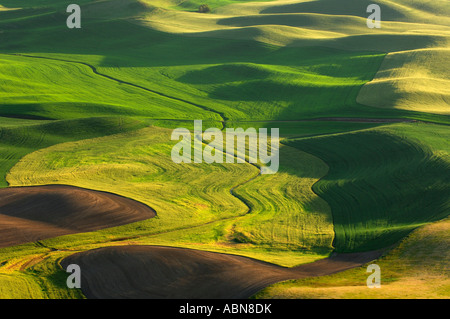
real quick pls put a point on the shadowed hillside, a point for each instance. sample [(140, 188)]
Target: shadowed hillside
[(363, 117)]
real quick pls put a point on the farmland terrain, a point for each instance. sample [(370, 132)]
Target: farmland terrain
[(86, 173)]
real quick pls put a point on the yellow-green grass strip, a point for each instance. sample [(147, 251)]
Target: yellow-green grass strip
[(415, 269)]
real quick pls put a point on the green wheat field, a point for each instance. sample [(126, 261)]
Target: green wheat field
[(363, 116)]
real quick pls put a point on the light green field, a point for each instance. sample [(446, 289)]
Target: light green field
[(263, 90), (413, 77), (20, 137), (95, 108), (253, 82), (257, 90), (413, 80), (77, 93)]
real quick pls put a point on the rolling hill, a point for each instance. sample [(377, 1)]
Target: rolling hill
[(364, 157)]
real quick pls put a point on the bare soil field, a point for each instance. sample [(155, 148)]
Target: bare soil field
[(34, 213), (176, 273)]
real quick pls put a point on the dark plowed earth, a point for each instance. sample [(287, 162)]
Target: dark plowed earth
[(34, 213), (176, 273)]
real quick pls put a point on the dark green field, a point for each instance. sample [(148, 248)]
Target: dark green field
[(363, 116)]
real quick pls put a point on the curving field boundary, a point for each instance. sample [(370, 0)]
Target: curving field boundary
[(32, 213), (157, 272), (95, 71)]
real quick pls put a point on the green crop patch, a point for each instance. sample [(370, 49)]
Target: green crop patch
[(362, 114), (380, 185), (26, 137)]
